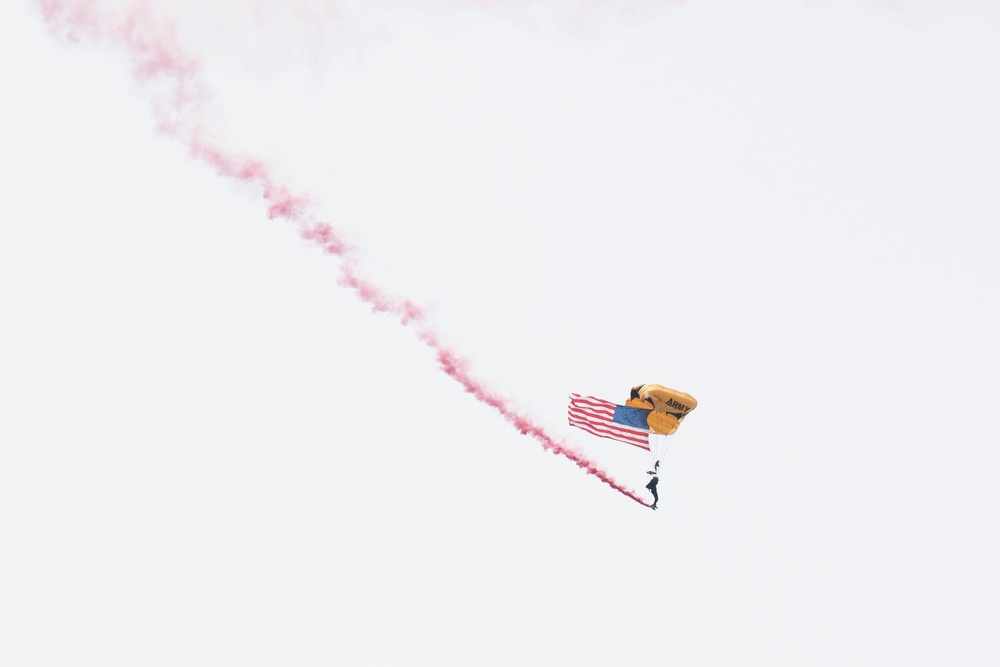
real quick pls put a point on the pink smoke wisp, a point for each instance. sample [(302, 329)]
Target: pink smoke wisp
[(179, 98)]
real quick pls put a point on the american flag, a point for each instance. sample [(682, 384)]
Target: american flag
[(597, 416)]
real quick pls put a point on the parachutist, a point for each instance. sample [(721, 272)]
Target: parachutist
[(652, 487), (648, 420)]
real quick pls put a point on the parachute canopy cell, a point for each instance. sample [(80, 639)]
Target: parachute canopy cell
[(669, 407)]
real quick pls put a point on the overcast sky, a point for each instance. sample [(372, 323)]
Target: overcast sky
[(212, 453)]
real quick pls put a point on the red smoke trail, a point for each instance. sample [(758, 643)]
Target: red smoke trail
[(179, 98)]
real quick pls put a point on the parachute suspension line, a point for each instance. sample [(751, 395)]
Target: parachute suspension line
[(658, 445)]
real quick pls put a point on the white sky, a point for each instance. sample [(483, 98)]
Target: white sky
[(212, 454)]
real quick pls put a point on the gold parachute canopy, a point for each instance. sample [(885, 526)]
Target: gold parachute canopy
[(669, 406)]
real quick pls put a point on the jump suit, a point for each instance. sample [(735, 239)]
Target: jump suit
[(652, 487)]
